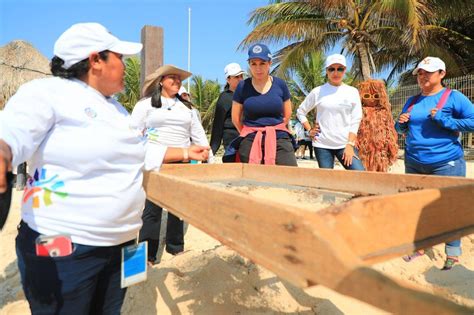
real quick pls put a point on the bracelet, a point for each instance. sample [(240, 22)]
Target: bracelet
[(351, 143), (185, 155)]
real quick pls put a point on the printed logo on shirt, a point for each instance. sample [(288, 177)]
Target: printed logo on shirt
[(90, 112), (151, 134), (346, 103), (40, 186)]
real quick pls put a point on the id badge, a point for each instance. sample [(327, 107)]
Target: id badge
[(134, 265)]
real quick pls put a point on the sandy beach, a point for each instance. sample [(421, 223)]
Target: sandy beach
[(209, 278)]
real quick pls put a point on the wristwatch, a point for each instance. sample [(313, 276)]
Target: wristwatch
[(351, 143)]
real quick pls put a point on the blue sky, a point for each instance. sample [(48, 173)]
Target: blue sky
[(218, 26)]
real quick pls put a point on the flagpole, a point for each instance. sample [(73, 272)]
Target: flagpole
[(189, 48)]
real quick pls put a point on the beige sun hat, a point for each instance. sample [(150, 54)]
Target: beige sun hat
[(153, 78)]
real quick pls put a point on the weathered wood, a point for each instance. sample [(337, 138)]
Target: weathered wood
[(365, 183), (152, 52), (308, 248), (383, 227)]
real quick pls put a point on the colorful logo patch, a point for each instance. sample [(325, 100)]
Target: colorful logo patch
[(90, 112), (151, 134), (39, 186)]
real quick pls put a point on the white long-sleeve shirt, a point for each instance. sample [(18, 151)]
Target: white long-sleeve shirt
[(173, 124), (339, 112), (85, 162)]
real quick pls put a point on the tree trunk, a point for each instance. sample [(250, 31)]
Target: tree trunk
[(364, 60)]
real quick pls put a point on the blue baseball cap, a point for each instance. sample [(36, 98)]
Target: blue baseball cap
[(260, 51)]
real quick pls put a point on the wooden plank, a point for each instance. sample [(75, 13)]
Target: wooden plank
[(204, 172), (297, 246), (364, 183), (383, 227)]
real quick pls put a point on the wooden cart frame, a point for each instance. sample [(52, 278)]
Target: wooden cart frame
[(393, 215)]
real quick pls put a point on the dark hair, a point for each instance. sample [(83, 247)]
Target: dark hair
[(156, 98), (443, 83), (227, 86), (77, 70)]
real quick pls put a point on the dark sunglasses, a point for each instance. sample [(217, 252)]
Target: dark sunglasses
[(375, 96), (340, 69)]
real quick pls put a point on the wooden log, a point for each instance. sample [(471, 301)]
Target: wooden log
[(152, 52)]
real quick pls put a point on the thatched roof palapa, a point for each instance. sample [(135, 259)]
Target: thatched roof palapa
[(20, 62)]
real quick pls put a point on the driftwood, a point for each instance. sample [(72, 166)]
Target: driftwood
[(387, 216)]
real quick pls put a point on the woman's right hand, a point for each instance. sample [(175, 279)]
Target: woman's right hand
[(198, 153), (404, 118), (5, 164), (313, 132)]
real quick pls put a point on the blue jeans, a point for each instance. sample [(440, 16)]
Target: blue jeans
[(85, 282), (452, 168), (326, 157)]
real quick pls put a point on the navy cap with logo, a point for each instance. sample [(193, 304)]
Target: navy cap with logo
[(260, 51)]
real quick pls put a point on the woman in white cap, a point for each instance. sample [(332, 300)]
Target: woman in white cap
[(166, 118), (223, 130), (339, 112), (82, 204), (261, 110), (187, 97), (431, 122)]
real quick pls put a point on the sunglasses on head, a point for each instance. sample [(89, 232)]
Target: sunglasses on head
[(375, 96), (339, 69)]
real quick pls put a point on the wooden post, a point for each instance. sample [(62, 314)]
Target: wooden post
[(152, 52)]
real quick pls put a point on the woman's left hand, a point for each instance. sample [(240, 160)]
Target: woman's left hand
[(348, 155), (198, 153)]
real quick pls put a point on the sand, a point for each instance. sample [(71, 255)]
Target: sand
[(209, 278)]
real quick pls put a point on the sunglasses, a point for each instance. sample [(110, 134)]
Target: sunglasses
[(375, 96), (340, 69)]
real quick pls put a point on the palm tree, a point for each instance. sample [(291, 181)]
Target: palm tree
[(378, 34), (204, 95), (131, 94), (304, 76)]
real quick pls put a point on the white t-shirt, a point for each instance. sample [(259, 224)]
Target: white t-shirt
[(85, 162), (339, 112), (173, 124)]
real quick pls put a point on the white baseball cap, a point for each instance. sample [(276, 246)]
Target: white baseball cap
[(182, 90), (430, 64), (82, 39), (233, 70), (336, 58)]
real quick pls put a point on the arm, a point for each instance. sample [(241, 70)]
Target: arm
[(237, 111), (305, 107), (194, 152), (158, 154), (5, 164), (137, 119), (401, 125), (198, 135), (26, 120), (287, 109), (218, 125), (462, 108), (356, 117)]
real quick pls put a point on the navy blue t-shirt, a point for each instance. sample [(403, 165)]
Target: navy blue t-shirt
[(262, 109)]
